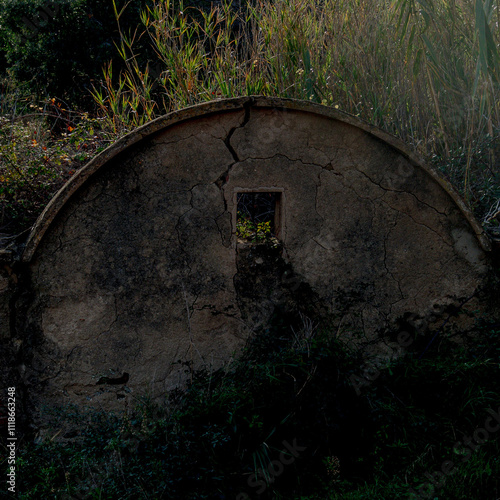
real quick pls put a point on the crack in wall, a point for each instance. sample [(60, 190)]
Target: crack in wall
[(403, 212), (318, 243), (400, 191), (367, 228), (214, 310), (226, 243), (388, 271), (113, 322), (291, 160), (177, 140), (316, 194), (224, 177), (177, 227)]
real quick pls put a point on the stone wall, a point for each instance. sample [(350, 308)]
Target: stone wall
[(133, 274)]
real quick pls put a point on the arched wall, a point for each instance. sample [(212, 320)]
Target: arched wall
[(134, 267)]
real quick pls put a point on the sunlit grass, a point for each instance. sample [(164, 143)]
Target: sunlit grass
[(426, 72)]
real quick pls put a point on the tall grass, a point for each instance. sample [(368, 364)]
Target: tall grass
[(425, 70)]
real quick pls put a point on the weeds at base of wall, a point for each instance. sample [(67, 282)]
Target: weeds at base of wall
[(230, 425)]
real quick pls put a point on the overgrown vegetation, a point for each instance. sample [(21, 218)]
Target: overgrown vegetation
[(58, 47), (284, 422), (39, 150), (255, 217), (426, 71), (251, 231)]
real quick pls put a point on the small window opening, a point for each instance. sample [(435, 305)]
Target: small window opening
[(258, 216)]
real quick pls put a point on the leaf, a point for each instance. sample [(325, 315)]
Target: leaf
[(418, 62), (489, 58), (426, 17), (430, 50), (481, 31), (409, 48)]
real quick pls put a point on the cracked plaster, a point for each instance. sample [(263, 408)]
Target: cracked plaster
[(132, 268)]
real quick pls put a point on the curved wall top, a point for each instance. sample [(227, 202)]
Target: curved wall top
[(134, 267), (84, 174)]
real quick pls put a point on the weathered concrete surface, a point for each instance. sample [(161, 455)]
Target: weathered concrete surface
[(134, 267)]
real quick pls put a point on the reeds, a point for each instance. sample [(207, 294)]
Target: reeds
[(426, 71)]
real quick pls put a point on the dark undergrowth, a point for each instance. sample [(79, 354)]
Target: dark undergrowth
[(286, 422)]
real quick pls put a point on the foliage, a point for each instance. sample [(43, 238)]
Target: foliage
[(39, 150), (220, 436), (58, 47), (476, 175), (427, 72), (248, 230)]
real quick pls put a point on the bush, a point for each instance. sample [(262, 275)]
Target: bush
[(59, 47), (39, 151), (227, 434)]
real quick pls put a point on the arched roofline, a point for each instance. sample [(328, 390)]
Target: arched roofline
[(83, 175)]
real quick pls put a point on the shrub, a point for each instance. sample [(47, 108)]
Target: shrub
[(223, 435), (39, 151), (59, 47)]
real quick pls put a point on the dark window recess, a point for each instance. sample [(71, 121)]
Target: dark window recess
[(258, 216)]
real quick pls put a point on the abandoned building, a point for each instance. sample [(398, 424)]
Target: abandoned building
[(177, 243)]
